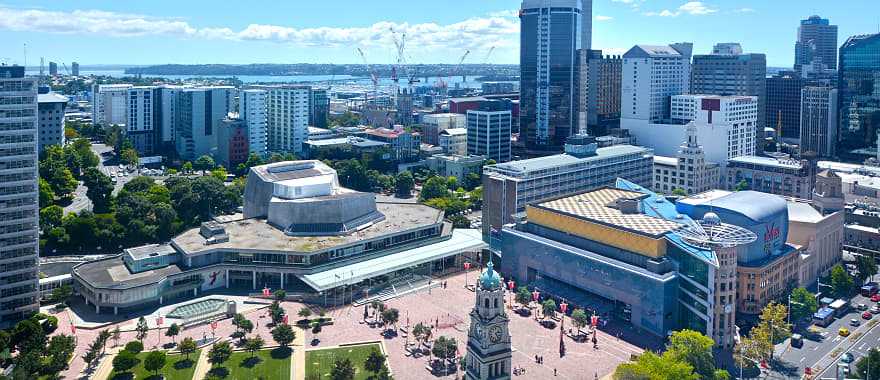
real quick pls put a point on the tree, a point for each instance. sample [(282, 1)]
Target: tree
[(155, 361), (61, 294), (220, 173), (869, 364), (50, 217), (390, 316), (187, 167), (253, 344), (523, 296), (283, 335), (28, 335), (773, 320), (103, 337), (841, 281), (60, 349), (375, 362), (404, 183), (276, 312), (867, 267), (116, 335), (220, 352), (679, 192), (47, 195), (693, 348), (204, 163), (142, 329), (134, 347), (342, 370), (741, 186), (172, 332), (124, 362), (434, 187), (445, 348), (99, 189), (579, 318), (129, 157), (280, 295), (548, 308), (187, 346), (421, 332), (305, 313), (650, 366), (803, 304)]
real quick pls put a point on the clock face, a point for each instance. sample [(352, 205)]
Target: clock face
[(495, 334)]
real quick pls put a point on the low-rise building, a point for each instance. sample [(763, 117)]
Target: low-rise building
[(232, 142), (454, 141), (403, 143), (455, 165), (780, 176), (433, 124), (688, 170)]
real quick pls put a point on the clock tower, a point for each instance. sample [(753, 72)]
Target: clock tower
[(488, 347)]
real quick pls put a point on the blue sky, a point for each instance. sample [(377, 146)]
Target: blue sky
[(438, 31)]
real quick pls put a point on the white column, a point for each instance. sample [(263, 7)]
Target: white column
[(255, 279), (97, 309), (227, 279), (195, 292), (282, 280), (160, 300), (115, 310)]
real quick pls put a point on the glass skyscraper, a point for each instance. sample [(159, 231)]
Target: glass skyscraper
[(550, 44), (859, 92), (816, 40)]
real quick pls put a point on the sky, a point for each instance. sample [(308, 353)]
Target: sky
[(436, 31)]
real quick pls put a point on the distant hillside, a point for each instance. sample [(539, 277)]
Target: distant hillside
[(325, 69)]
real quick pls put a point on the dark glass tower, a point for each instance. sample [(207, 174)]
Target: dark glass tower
[(859, 96), (816, 40), (550, 43)]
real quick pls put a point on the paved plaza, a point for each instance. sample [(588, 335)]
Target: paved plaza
[(446, 307)]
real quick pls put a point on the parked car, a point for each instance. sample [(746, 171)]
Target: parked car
[(797, 340), (847, 358), (854, 322), (875, 309), (861, 307), (869, 289), (867, 315), (844, 332), (875, 298)]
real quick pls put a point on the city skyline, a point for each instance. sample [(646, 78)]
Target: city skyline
[(98, 32)]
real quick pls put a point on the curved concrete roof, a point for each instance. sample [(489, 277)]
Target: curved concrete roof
[(754, 205)]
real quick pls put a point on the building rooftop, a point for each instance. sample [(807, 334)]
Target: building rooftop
[(664, 160), (258, 235), (803, 212), (559, 160), (640, 51), (112, 273), (52, 97), (468, 99), (454, 131), (150, 250), (767, 161)]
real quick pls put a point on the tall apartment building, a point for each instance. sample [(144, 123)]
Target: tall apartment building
[(509, 187), (818, 120), (551, 33), (288, 114), (19, 233), (488, 132), (51, 125), (602, 82), (74, 69), (253, 108), (53, 69), (859, 91), (110, 104), (651, 76), (199, 113), (728, 71), (783, 106), (143, 128), (319, 108), (688, 170), (816, 41), (167, 102)]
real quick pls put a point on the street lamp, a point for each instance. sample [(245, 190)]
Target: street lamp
[(535, 297), (562, 307), (467, 266)]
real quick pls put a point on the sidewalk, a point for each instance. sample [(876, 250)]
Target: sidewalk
[(202, 365), (298, 364)]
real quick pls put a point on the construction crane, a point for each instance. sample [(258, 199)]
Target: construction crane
[(460, 68), (66, 71), (373, 76), (489, 54)]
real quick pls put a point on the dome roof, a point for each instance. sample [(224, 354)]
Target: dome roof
[(490, 279), (711, 218)]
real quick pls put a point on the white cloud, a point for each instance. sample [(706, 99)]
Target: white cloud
[(634, 4), (696, 8), (477, 32), (744, 10), (505, 13), (603, 18)]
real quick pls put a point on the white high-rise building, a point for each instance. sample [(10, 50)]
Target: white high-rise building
[(488, 134), (651, 75), (168, 103), (818, 120), (288, 118), (253, 110), (141, 128), (19, 204), (110, 104)]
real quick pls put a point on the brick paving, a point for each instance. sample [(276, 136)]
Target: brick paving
[(447, 306)]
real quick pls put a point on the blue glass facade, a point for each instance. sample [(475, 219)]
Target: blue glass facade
[(859, 91)]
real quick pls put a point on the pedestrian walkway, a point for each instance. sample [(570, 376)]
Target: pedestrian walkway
[(202, 365), (298, 366)]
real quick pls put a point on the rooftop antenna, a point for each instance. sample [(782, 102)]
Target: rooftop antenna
[(25, 56)]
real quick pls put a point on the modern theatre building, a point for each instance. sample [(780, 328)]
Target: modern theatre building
[(299, 231)]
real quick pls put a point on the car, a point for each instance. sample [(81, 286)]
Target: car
[(875, 297), (843, 331), (867, 315), (861, 307), (847, 358), (875, 309), (854, 322)]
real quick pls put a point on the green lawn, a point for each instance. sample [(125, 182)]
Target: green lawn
[(265, 365), (319, 363), (176, 368)]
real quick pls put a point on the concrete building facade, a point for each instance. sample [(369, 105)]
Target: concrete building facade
[(602, 81), (51, 109), (433, 124), (110, 104), (688, 170), (488, 134), (818, 121), (199, 113), (288, 116), (454, 141), (651, 76), (780, 176), (253, 108), (816, 41)]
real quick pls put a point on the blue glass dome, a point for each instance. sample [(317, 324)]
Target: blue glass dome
[(490, 279)]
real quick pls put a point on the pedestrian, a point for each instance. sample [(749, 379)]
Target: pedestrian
[(554, 371), (536, 358)]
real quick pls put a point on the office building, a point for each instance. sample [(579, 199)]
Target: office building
[(509, 187), (816, 41), (404, 106), (144, 119), (433, 124), (728, 71), (602, 96), (651, 76), (780, 176), (725, 126), (51, 126), (232, 142), (784, 105), (488, 132), (299, 231), (74, 69), (199, 113), (53, 69), (319, 107), (859, 93), (253, 108), (167, 103), (110, 104), (288, 116), (688, 170), (551, 33), (454, 141), (452, 165), (404, 144), (19, 233), (625, 250), (490, 87), (818, 121)]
